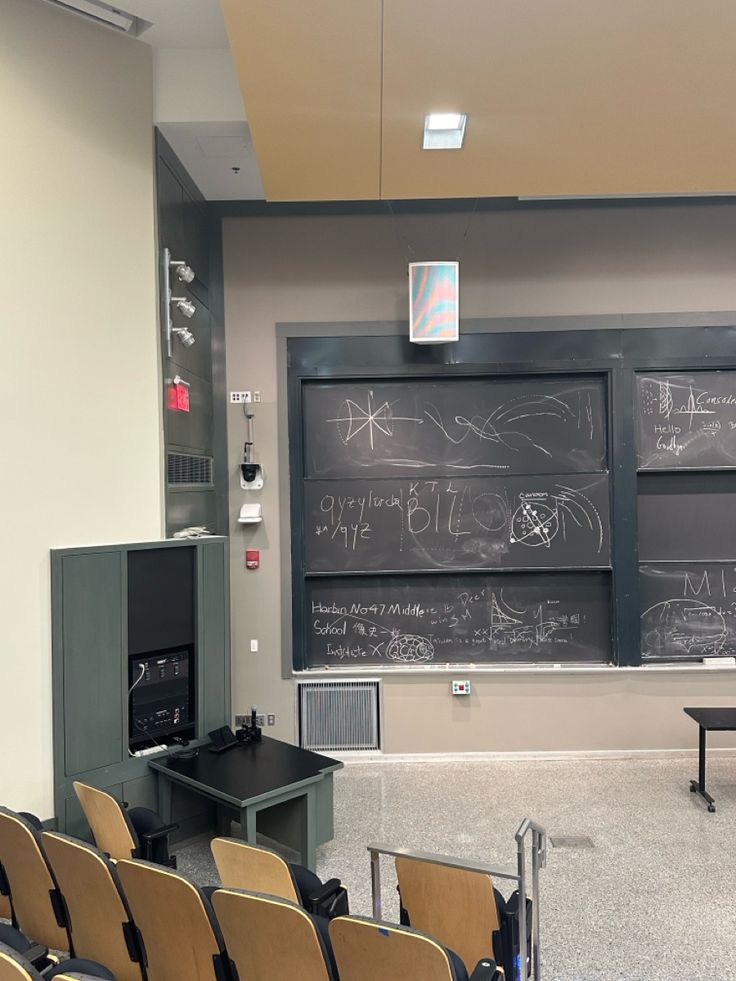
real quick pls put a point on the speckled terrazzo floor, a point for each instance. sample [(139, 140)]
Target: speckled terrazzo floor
[(654, 900)]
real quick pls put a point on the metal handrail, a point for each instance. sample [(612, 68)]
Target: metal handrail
[(538, 861)]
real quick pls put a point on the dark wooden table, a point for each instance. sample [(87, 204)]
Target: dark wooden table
[(285, 790), (709, 720)]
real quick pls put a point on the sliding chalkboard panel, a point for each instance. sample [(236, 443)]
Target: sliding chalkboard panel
[(686, 420), (687, 516), (414, 620), (535, 522), (688, 610), (427, 426)]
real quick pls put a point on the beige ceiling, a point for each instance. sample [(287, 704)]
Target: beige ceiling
[(564, 97)]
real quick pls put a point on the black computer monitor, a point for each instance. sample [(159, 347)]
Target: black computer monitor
[(161, 697)]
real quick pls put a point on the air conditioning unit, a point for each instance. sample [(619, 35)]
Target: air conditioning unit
[(339, 715), (103, 13)]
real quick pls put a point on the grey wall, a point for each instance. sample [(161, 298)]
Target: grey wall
[(513, 264), (191, 234)]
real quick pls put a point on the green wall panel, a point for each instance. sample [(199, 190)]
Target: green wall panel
[(92, 625)]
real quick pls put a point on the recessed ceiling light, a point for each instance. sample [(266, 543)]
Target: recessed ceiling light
[(444, 130)]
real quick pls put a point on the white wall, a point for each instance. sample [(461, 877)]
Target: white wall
[(535, 263), (79, 382)]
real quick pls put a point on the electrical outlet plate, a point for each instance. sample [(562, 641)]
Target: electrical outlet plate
[(241, 719), (256, 396), (271, 719), (239, 398), (260, 720)]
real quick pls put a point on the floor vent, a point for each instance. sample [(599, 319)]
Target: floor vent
[(339, 715), (188, 470), (571, 841)]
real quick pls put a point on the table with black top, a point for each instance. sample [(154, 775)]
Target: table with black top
[(709, 720), (283, 790)]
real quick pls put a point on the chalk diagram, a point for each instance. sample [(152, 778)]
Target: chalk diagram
[(353, 419), (527, 628), (368, 421), (397, 646), (658, 399), (537, 522), (684, 627), (680, 418), (409, 648)]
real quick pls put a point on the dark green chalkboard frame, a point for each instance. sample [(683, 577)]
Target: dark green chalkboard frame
[(615, 347)]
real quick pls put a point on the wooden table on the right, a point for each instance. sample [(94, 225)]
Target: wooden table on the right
[(709, 720)]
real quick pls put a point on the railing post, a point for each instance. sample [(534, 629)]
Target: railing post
[(376, 884), (520, 966), (536, 853)]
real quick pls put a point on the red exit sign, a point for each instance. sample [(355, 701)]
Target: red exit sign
[(178, 396)]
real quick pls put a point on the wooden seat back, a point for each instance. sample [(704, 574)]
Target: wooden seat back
[(14, 967), (5, 910), (31, 881), (366, 950), (250, 867), (455, 906), (267, 937), (94, 902), (179, 936), (106, 817)]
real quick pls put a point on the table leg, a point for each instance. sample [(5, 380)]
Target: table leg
[(698, 786), (223, 821), (309, 850), (248, 824), (164, 797)]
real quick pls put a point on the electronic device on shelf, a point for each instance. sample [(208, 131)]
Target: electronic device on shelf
[(161, 698)]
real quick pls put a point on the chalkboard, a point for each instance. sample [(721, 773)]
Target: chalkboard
[(456, 523), (687, 516), (686, 421), (425, 620), (454, 426), (688, 610)]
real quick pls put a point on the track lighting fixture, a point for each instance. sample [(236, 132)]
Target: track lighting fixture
[(184, 305), (185, 335), (184, 273)]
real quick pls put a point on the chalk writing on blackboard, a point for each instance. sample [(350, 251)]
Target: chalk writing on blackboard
[(694, 610), (463, 425), (504, 426), (481, 522), (421, 623), (687, 420)]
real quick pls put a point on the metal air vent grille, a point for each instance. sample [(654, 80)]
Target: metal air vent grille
[(339, 715), (188, 470)]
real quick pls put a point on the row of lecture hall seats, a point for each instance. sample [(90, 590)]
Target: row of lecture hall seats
[(270, 920)]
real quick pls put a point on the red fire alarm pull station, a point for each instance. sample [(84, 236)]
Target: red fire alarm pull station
[(252, 558)]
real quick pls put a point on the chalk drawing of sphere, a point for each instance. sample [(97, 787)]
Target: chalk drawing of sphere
[(683, 626), (534, 524), (410, 649), (489, 510)]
